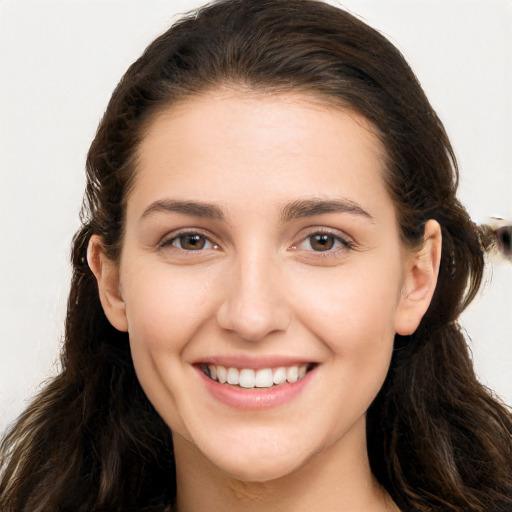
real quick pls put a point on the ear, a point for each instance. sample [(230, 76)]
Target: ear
[(106, 272), (421, 271)]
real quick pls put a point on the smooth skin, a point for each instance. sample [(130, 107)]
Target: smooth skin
[(259, 226)]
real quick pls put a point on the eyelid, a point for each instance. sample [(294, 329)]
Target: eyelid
[(166, 241), (320, 230), (346, 241)]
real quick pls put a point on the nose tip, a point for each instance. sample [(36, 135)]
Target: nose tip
[(252, 321), (254, 306)]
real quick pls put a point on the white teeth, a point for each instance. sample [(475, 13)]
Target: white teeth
[(222, 374), (261, 378), (247, 378), (292, 374), (280, 375), (233, 376), (264, 378)]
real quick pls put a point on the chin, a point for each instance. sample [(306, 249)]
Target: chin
[(259, 463), (260, 471)]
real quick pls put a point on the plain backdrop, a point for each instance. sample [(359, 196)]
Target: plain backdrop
[(59, 62)]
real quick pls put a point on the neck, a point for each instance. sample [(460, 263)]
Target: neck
[(338, 478)]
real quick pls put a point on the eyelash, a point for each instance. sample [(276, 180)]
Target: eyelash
[(345, 243), (175, 237)]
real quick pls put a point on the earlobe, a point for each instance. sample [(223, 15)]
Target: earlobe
[(420, 280), (106, 272)]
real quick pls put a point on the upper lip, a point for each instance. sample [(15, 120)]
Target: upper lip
[(255, 362)]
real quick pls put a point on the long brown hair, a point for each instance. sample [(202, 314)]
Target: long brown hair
[(437, 439)]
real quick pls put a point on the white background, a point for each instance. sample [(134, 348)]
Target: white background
[(59, 62)]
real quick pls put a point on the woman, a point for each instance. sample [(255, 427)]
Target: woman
[(266, 288)]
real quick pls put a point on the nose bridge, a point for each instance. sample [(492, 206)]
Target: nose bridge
[(254, 304)]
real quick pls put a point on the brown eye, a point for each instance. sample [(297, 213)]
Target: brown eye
[(322, 242), (191, 242)]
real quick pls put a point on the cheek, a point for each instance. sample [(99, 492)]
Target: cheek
[(164, 306), (165, 309), (352, 313), (353, 308)]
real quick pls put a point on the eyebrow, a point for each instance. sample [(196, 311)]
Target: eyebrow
[(310, 207), (294, 210), (194, 208)]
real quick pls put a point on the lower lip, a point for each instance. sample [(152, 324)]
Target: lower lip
[(254, 398)]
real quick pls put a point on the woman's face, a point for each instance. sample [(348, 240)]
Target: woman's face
[(260, 245)]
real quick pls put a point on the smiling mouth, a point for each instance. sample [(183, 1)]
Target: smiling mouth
[(248, 378)]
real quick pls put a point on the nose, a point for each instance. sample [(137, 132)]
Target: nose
[(255, 303)]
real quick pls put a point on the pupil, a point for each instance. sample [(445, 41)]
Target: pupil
[(322, 242), (192, 242)]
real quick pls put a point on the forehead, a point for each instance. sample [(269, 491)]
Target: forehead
[(254, 147), (258, 112)]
